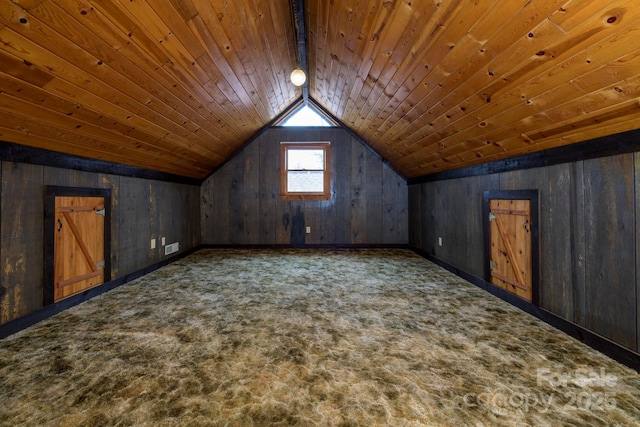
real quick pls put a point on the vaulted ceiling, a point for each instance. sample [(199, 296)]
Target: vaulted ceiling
[(179, 85)]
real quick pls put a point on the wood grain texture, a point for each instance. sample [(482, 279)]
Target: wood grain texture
[(21, 260), (132, 225), (610, 223), (179, 86), (438, 86), (588, 236), (636, 158), (172, 86), (368, 203)]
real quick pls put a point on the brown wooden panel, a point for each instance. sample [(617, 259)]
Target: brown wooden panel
[(610, 293), (420, 97), (159, 56), (78, 245), (180, 86), (510, 246)]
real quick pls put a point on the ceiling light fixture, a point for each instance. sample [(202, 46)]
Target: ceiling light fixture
[(298, 77)]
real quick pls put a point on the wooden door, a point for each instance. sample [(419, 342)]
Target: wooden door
[(511, 246), (78, 244)]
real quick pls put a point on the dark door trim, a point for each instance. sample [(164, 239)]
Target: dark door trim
[(532, 196), (51, 191)]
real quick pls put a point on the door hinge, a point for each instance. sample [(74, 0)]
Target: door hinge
[(491, 216), (492, 265), (100, 212), (100, 264)]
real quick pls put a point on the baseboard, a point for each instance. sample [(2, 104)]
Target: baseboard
[(47, 311), (597, 342)]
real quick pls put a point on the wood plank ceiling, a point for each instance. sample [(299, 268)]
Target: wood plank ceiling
[(171, 85), (179, 85)]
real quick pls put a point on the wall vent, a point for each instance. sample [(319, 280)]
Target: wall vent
[(173, 247)]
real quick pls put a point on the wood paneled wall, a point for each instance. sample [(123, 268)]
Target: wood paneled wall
[(588, 236), (142, 209), (241, 202)]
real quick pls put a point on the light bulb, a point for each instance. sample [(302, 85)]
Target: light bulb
[(298, 77)]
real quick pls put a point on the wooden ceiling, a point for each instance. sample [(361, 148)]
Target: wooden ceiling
[(179, 85)]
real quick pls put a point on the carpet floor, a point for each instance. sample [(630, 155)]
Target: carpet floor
[(309, 338)]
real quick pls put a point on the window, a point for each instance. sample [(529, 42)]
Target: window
[(304, 171), (306, 116)]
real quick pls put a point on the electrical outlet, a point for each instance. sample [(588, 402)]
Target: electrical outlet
[(308, 230), (163, 241), (153, 243), (439, 241)]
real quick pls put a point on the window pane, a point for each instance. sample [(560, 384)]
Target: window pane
[(307, 159), (306, 116), (305, 182)]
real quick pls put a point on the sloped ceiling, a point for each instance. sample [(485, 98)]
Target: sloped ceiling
[(179, 85)]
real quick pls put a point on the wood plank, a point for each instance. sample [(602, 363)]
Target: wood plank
[(236, 199), (251, 193), (207, 216), (394, 204), (78, 245), (473, 238), (511, 248), (610, 274), (221, 217), (45, 47), (552, 290), (269, 188), (578, 243), (155, 202), (327, 209), (415, 216), (430, 223), (91, 263), (20, 226), (636, 158), (93, 42), (556, 283), (358, 193), (142, 229), (112, 182), (30, 131), (341, 151), (81, 278), (126, 245), (374, 198)]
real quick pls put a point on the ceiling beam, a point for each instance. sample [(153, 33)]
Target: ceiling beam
[(301, 39)]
